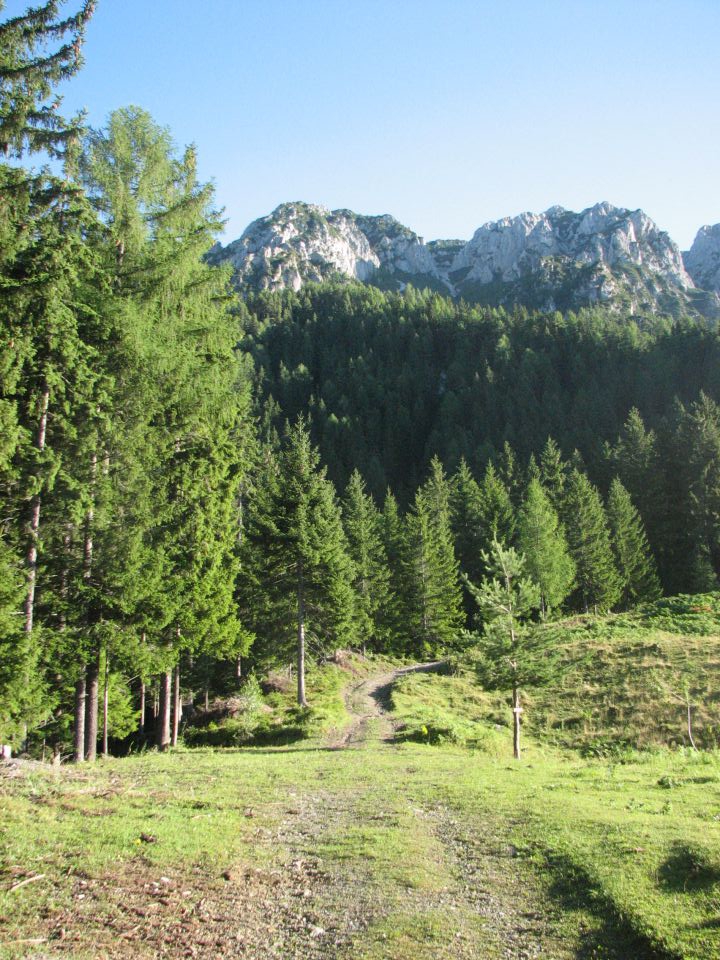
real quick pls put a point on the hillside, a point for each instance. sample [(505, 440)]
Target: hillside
[(556, 260)]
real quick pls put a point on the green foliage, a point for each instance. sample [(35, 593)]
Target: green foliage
[(506, 597), (295, 563), (371, 575), (598, 582), (30, 69), (541, 540), (634, 560), (431, 570)]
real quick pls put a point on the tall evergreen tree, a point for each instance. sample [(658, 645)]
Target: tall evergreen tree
[(434, 596), (553, 473), (47, 322), (371, 576), (633, 557), (541, 540), (497, 513), (468, 525), (598, 582), (300, 581), (394, 614), (184, 385)]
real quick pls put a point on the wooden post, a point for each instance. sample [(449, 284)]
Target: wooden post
[(517, 710)]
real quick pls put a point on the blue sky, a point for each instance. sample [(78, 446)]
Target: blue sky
[(445, 114)]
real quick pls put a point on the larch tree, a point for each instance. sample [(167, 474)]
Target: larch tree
[(541, 539), (187, 386), (505, 598)]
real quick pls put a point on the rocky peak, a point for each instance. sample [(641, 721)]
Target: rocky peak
[(702, 261), (513, 247), (558, 259)]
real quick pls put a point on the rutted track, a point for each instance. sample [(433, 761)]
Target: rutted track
[(368, 703)]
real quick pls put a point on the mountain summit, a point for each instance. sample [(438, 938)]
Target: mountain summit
[(553, 260)]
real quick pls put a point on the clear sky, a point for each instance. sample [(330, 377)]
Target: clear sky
[(445, 113)]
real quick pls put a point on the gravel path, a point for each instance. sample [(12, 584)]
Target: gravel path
[(368, 703), (363, 864)]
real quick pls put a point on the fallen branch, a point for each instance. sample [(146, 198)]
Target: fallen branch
[(23, 883), (10, 943)]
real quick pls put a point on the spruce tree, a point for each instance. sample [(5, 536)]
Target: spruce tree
[(49, 320), (394, 614), (633, 557), (598, 582), (497, 513), (299, 576), (371, 576), (29, 118), (553, 473), (468, 525), (434, 594), (541, 540)]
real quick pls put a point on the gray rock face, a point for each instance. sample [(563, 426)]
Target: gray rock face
[(301, 242), (556, 259), (702, 260), (601, 235)]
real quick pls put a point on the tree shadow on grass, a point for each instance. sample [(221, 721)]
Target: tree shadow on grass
[(687, 869), (615, 938)]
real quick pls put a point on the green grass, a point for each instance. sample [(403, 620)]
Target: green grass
[(632, 847), (275, 719), (620, 680), (437, 709), (616, 851)]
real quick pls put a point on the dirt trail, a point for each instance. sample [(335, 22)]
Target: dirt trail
[(361, 856), (368, 703)]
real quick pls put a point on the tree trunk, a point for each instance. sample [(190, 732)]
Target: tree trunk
[(238, 668), (32, 554), (517, 710), (141, 728), (91, 710), (162, 724), (105, 706), (177, 708), (301, 641), (79, 733)]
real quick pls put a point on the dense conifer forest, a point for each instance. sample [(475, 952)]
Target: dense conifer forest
[(197, 482)]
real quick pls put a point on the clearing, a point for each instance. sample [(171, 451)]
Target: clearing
[(358, 845)]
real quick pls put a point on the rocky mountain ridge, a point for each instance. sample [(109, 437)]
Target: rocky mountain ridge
[(702, 260), (558, 259)]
